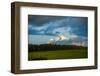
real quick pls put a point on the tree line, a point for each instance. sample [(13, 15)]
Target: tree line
[(52, 47)]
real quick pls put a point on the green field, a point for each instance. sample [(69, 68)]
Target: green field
[(58, 54)]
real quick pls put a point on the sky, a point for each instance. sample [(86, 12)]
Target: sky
[(57, 29)]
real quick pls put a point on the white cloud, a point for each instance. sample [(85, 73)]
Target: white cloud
[(69, 40)]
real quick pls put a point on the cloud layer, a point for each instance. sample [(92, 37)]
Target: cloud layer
[(58, 25)]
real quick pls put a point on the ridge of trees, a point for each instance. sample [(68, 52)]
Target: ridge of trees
[(52, 47)]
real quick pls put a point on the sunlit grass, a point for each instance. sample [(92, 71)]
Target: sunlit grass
[(58, 54)]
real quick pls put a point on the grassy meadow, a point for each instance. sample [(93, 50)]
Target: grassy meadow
[(60, 53)]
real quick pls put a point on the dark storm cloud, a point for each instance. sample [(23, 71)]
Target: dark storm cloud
[(55, 25), (39, 20)]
